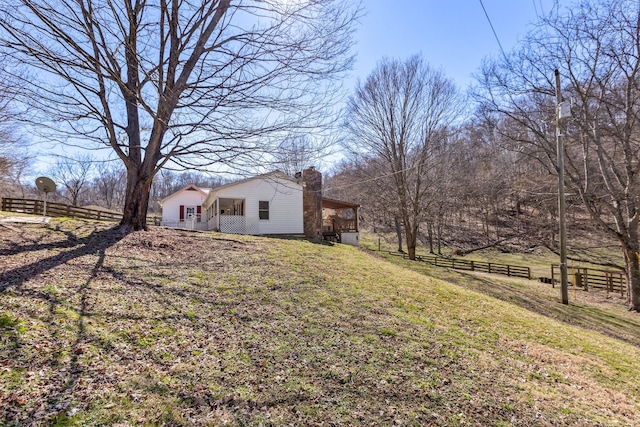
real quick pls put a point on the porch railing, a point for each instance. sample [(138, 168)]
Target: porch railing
[(339, 225), (238, 224), (188, 223)]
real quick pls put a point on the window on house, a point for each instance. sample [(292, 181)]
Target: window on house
[(191, 211), (263, 209)]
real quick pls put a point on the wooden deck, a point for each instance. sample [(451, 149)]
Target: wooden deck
[(332, 228)]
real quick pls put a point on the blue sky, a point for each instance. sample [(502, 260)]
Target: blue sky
[(453, 35)]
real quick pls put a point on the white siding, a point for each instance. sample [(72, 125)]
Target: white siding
[(171, 205), (285, 203)]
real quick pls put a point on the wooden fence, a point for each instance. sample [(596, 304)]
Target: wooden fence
[(463, 264), (582, 278), (591, 278), (36, 207)]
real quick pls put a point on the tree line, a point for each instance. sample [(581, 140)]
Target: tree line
[(219, 82), (86, 181), (424, 167)]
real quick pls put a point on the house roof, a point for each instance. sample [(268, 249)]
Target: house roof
[(337, 204), (190, 187), (273, 174), (264, 176)]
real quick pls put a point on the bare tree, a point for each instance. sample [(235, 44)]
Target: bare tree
[(397, 119), (357, 181), (596, 47), (110, 184), (296, 153), (12, 170), (73, 175), (190, 83), (13, 157)]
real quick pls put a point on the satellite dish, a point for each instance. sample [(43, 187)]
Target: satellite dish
[(45, 184)]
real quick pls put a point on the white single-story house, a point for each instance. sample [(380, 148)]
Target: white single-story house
[(273, 203), (264, 204), (183, 208)]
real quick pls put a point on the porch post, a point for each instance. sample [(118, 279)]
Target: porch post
[(217, 206), (355, 211)]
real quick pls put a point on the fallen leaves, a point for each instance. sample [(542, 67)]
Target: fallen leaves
[(180, 328)]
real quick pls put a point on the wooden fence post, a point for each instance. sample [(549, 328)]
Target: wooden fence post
[(586, 280), (577, 279)]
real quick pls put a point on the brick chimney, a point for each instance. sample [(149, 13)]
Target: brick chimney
[(312, 202)]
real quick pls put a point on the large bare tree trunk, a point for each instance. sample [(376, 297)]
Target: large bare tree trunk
[(633, 275), (632, 270), (176, 83), (411, 234), (134, 216)]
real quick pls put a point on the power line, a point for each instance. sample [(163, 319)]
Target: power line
[(494, 30), (535, 9), (376, 178)]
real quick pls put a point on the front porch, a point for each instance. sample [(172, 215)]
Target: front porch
[(227, 215)]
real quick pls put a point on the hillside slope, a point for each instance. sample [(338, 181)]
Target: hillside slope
[(178, 328)]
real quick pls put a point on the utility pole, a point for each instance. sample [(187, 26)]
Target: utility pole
[(563, 111)]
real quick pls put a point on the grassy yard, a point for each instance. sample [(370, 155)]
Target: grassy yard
[(172, 327)]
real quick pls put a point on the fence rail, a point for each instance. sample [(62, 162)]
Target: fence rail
[(591, 278), (463, 264), (583, 278), (36, 207)]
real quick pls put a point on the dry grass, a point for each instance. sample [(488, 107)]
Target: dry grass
[(177, 328)]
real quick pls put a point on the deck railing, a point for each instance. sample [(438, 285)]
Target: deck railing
[(339, 225)]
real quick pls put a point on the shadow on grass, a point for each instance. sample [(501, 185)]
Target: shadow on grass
[(584, 315), (96, 242), (317, 241), (66, 358), (60, 398)]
